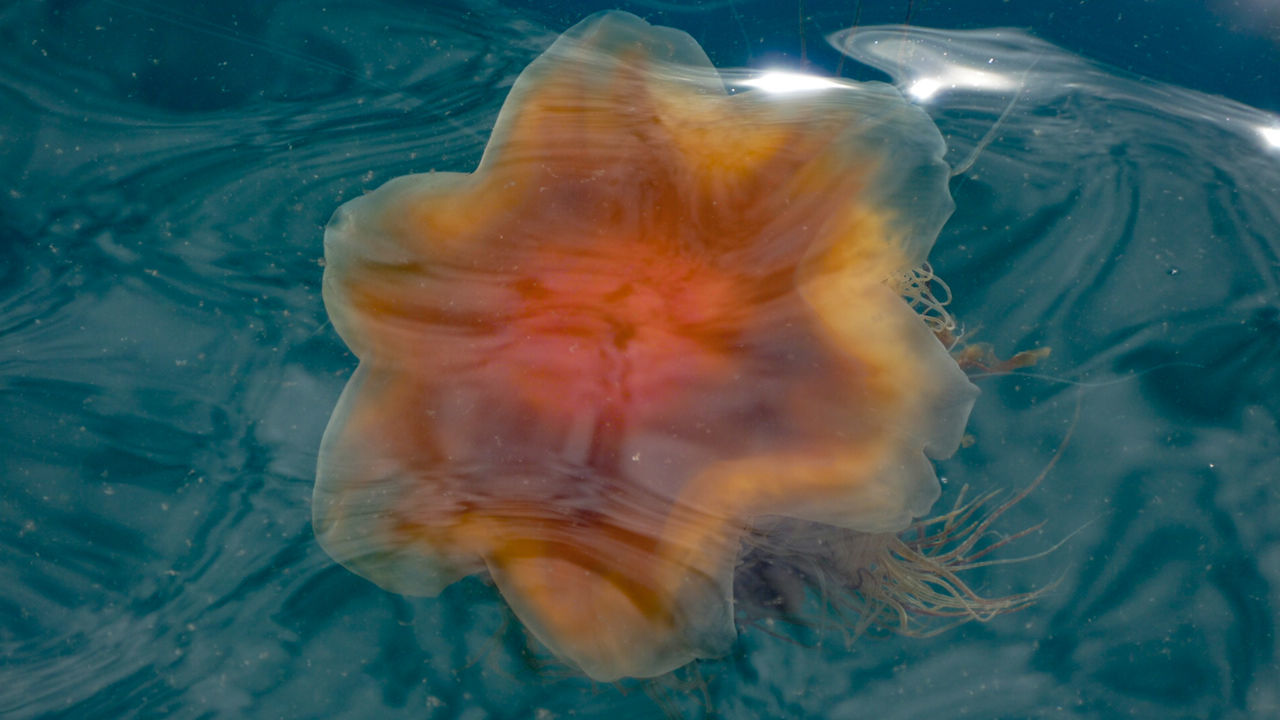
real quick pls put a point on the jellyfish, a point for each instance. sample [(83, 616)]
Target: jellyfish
[(659, 322)]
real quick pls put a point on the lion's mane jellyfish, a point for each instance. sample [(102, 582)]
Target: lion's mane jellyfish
[(663, 333)]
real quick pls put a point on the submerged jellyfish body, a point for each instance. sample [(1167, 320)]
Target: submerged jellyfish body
[(657, 319)]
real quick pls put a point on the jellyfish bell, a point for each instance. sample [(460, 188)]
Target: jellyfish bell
[(655, 319)]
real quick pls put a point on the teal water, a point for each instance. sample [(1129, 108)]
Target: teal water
[(167, 367)]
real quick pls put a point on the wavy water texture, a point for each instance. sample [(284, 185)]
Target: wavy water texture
[(168, 367), (166, 370), (1134, 228)]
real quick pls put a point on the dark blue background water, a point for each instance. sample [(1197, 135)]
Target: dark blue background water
[(166, 367)]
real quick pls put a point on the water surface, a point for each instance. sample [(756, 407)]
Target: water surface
[(168, 367)]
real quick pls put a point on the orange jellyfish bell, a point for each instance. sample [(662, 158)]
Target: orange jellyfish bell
[(656, 315)]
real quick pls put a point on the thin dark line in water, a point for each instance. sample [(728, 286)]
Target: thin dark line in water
[(804, 56), (737, 19), (1082, 383), (989, 136), (318, 330), (853, 27)]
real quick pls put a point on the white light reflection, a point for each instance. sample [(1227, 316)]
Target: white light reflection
[(959, 77), (924, 88), (776, 81), (1270, 136)]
